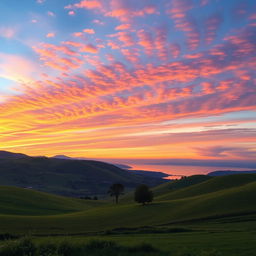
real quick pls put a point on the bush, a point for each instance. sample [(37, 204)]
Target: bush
[(143, 194)]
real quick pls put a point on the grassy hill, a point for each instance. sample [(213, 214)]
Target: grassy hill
[(66, 177), (179, 184), (238, 198), (172, 185), (208, 186), (18, 201)]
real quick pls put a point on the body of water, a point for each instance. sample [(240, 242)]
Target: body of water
[(179, 170)]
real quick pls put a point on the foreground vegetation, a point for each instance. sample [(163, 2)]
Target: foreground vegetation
[(94, 248)]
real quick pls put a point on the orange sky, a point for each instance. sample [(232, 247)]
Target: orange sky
[(172, 79)]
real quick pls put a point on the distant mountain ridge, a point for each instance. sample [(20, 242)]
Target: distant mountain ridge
[(10, 155), (67, 177), (229, 172)]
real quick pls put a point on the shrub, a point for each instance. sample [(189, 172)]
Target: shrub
[(143, 194)]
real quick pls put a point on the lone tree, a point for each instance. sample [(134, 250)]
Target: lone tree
[(116, 190), (143, 194)]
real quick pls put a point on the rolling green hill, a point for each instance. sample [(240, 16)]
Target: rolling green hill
[(66, 177), (208, 186), (179, 184), (172, 185), (236, 198), (18, 201)]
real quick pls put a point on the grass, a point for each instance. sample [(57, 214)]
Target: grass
[(28, 247), (18, 201), (205, 242), (179, 184), (208, 186)]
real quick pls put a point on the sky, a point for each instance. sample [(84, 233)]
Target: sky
[(151, 80)]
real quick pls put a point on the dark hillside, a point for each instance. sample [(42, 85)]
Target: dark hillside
[(67, 177)]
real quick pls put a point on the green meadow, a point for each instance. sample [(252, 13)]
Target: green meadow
[(194, 216)]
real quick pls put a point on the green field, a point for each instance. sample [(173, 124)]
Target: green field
[(195, 215)]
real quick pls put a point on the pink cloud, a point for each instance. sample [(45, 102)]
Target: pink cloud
[(114, 45), (71, 13), (123, 27), (161, 43), (55, 65), (85, 4), (59, 57), (124, 13), (89, 48), (52, 34), (131, 55), (89, 31), (146, 41), (212, 25), (78, 34), (124, 37), (184, 22), (72, 43), (99, 22)]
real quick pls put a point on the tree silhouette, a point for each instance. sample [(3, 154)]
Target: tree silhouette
[(143, 194), (116, 190)]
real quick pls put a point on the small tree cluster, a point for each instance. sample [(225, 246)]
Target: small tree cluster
[(143, 194)]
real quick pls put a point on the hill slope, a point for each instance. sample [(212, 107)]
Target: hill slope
[(179, 184), (172, 186), (209, 186), (67, 177), (19, 201)]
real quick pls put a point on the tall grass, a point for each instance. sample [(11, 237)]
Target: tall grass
[(26, 247)]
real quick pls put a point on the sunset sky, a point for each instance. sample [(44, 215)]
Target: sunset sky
[(137, 79)]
